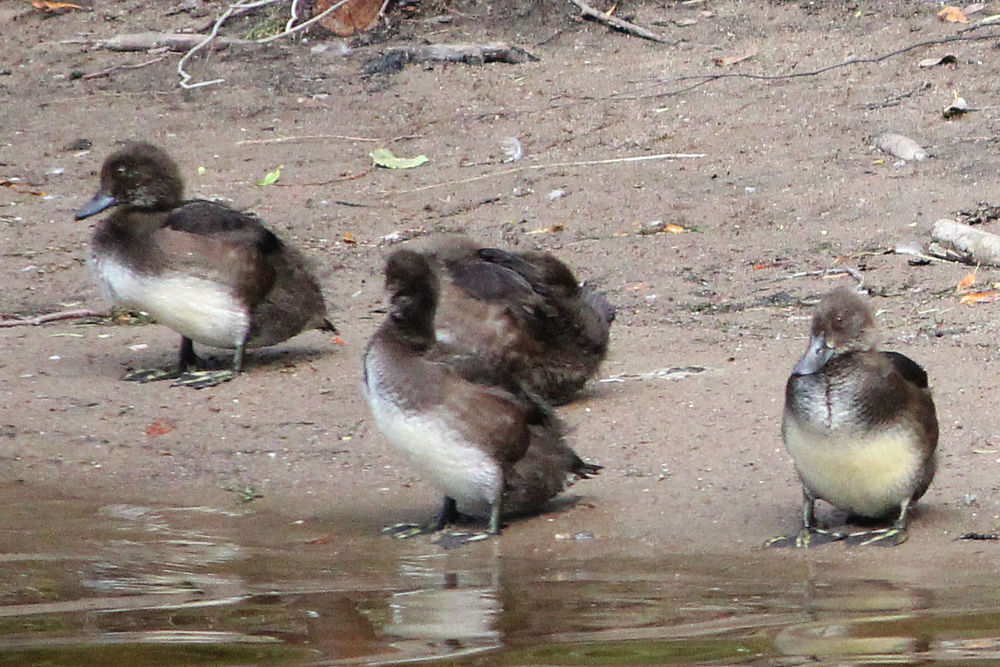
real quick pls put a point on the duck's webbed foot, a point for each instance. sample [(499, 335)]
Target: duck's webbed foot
[(153, 374), (202, 379), (806, 538), (883, 537), (448, 514)]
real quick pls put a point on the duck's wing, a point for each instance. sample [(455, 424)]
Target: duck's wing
[(214, 243), (217, 221), (908, 368)]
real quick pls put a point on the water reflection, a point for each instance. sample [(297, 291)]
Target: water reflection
[(126, 584)]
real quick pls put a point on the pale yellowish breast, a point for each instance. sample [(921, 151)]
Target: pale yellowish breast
[(868, 474)]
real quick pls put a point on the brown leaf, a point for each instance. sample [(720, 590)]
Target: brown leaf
[(976, 297), (732, 60), (18, 187), (348, 238), (558, 227), (53, 6), (352, 17), (952, 15), (965, 283), (158, 428)]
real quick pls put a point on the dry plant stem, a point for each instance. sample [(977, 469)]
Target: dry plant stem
[(51, 317), (854, 273), (701, 80), (983, 247), (307, 137), (111, 70), (238, 8), (557, 165), (146, 41), (589, 12)]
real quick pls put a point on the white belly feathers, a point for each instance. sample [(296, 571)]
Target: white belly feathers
[(202, 310), (439, 453)]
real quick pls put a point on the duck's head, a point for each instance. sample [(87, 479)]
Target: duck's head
[(413, 290), (842, 323), (141, 176)]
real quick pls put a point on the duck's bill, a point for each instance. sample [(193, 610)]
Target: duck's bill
[(100, 202)]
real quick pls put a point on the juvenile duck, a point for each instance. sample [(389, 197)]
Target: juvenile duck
[(523, 310), (212, 274), (859, 423), (491, 448)]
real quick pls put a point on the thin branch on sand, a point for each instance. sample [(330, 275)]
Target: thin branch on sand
[(51, 317), (846, 270), (239, 8), (111, 70), (556, 165), (306, 137), (606, 18)]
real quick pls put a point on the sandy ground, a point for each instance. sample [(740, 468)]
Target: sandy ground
[(789, 183)]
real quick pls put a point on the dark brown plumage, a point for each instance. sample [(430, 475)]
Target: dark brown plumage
[(860, 423), (491, 448), (214, 275), (525, 311)]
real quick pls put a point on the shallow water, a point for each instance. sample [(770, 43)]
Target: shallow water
[(90, 583)]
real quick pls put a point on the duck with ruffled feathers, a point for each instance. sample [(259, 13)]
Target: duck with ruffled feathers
[(860, 424), (525, 310), (214, 275), (490, 447)]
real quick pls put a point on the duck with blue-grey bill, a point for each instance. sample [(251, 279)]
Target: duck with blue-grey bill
[(860, 424), (214, 275)]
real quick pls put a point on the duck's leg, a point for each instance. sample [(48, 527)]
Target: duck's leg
[(186, 359), (209, 378), (885, 537), (496, 510), (448, 514), (811, 535)]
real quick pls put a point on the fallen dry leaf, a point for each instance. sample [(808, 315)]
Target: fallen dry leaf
[(352, 17), (732, 60), (348, 238), (966, 282), (53, 6), (951, 14), (18, 187), (977, 297), (673, 229), (560, 227), (158, 428)]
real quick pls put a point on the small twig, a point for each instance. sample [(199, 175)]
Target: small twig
[(51, 317), (589, 12), (306, 137), (854, 273), (304, 24), (557, 165), (115, 68), (239, 8), (704, 79), (894, 100)]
